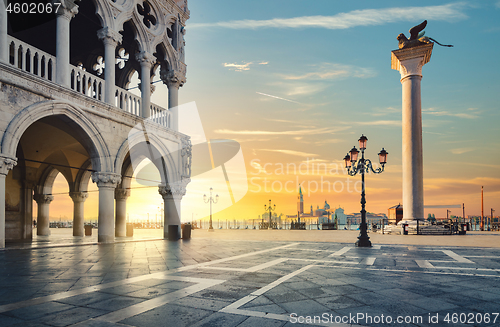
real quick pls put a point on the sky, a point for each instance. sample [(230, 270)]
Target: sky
[(296, 83)]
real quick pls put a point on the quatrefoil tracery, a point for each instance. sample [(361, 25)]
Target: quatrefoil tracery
[(145, 11)]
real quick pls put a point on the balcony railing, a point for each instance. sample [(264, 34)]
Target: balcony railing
[(42, 64), (31, 59)]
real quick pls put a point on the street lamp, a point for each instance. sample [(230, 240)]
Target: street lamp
[(363, 165), (211, 200), (270, 209), (491, 219)]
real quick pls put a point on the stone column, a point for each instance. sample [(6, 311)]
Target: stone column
[(78, 211), (42, 221), (172, 195), (121, 196), (6, 164), (174, 80), (409, 62), (4, 43), (66, 12), (106, 182), (110, 39), (146, 60)]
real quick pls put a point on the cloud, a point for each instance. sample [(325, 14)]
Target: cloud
[(368, 17), (238, 67), (379, 123), (331, 71), (386, 111), (461, 150), (276, 97), (293, 132), (291, 152), (473, 115)]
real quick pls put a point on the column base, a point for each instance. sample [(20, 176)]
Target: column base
[(173, 233), (363, 242), (211, 229), (105, 239)]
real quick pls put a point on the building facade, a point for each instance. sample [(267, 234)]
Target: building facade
[(66, 108)]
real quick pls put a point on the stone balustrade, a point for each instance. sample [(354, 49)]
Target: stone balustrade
[(42, 64)]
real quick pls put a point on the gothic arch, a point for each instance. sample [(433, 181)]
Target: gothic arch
[(168, 172), (97, 147)]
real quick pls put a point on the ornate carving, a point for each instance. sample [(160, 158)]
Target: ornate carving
[(186, 157), (172, 78), (78, 196), (67, 9), (145, 57), (174, 190), (417, 38), (43, 198), (410, 61), (6, 164), (106, 34), (105, 179), (122, 193)]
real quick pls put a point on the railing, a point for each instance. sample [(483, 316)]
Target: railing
[(160, 115), (128, 101), (40, 63), (31, 59), (85, 83)]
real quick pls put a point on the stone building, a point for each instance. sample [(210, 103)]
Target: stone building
[(65, 108)]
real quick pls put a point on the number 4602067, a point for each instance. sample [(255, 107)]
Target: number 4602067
[(32, 8)]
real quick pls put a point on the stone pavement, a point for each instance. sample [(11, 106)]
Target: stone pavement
[(219, 282)]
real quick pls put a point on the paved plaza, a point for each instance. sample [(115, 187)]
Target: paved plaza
[(226, 282)]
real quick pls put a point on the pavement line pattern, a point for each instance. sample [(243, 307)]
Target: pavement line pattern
[(95, 288), (251, 269), (457, 257), (424, 264), (340, 252), (234, 307), (156, 302)]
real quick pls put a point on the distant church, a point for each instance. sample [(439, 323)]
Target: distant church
[(319, 215)]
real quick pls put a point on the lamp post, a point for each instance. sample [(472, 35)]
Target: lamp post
[(211, 200), (491, 219), (361, 166), (270, 209)]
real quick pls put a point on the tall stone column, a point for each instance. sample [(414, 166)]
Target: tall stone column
[(66, 12), (409, 62), (42, 222), (110, 39), (146, 60), (6, 164), (4, 43), (78, 211), (106, 182), (172, 195), (121, 196), (174, 80)]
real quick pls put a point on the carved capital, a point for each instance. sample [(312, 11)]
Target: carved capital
[(173, 190), (78, 196), (43, 198), (144, 57), (121, 193), (104, 179), (107, 35), (410, 61), (6, 164), (66, 9), (186, 154), (172, 78)]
